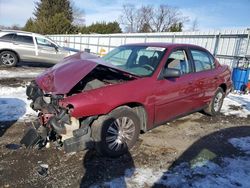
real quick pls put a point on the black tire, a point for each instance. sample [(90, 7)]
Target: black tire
[(8, 59), (112, 141), (216, 103)]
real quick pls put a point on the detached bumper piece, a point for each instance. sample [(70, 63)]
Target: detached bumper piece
[(81, 140), (33, 139)]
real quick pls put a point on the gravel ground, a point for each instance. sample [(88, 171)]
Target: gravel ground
[(158, 150)]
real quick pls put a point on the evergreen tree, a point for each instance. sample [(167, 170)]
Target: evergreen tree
[(102, 28), (51, 16), (29, 26), (48, 8), (177, 27)]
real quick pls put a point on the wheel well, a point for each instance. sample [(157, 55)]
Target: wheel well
[(18, 58), (141, 113), (224, 87)]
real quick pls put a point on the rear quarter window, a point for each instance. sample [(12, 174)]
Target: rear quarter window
[(7, 37)]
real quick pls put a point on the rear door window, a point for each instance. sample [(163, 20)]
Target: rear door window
[(202, 60), (23, 39)]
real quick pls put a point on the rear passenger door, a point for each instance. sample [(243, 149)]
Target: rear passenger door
[(24, 46), (205, 74)]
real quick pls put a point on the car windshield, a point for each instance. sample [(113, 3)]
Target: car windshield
[(137, 60)]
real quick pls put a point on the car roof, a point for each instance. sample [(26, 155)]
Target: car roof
[(20, 32), (163, 45)]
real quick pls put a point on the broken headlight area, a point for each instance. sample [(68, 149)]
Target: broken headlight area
[(55, 124), (41, 101)]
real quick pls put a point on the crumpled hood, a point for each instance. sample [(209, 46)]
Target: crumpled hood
[(62, 77)]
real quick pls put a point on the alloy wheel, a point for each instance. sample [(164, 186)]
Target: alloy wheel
[(120, 133), (218, 100), (8, 59)]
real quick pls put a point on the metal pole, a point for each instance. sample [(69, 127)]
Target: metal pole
[(80, 42), (145, 39), (74, 41), (109, 42), (98, 40), (125, 40), (173, 39), (216, 45), (88, 41), (248, 40)]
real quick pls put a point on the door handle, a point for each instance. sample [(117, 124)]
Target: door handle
[(15, 43)]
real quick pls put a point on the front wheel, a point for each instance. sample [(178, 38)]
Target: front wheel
[(216, 103), (8, 59), (114, 134)]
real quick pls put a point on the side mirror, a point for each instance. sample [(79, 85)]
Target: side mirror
[(171, 73), (56, 48)]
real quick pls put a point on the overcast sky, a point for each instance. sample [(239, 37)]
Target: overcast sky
[(211, 14)]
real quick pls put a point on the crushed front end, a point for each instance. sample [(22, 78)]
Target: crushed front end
[(69, 98), (55, 123)]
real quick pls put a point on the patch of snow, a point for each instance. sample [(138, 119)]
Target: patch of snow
[(14, 104), (230, 172), (20, 73), (236, 104), (135, 177), (241, 143)]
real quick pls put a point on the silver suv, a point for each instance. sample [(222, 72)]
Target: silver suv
[(18, 46)]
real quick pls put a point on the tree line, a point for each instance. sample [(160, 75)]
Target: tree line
[(63, 17)]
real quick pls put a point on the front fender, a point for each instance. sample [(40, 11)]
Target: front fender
[(86, 104), (105, 99)]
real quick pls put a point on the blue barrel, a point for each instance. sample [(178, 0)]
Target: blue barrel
[(240, 78)]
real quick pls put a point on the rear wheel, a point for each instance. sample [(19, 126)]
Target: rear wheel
[(8, 58), (216, 103), (114, 134)]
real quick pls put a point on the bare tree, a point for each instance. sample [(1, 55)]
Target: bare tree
[(165, 17), (194, 25), (145, 14), (78, 15), (129, 18), (150, 19)]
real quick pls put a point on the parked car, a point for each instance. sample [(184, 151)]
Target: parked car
[(18, 46), (132, 89)]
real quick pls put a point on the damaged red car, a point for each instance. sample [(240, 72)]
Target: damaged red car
[(109, 101)]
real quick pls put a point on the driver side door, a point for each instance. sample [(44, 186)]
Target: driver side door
[(175, 96)]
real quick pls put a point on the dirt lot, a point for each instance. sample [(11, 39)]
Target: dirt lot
[(158, 150)]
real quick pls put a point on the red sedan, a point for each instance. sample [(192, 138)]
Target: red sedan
[(135, 87)]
